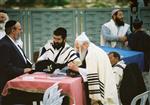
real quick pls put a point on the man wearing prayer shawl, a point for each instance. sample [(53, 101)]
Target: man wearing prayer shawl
[(97, 71), (114, 32), (57, 53)]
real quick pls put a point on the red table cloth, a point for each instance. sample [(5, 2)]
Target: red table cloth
[(38, 82)]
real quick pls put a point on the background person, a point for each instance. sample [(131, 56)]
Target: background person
[(139, 40), (114, 32), (118, 66), (3, 19)]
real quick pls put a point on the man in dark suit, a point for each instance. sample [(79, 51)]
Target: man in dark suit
[(13, 61), (139, 40)]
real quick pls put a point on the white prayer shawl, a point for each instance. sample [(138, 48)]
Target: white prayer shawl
[(67, 54), (97, 62), (115, 31), (118, 72)]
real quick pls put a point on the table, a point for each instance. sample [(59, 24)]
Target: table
[(38, 82), (128, 56)]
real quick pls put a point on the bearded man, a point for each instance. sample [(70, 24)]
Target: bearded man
[(56, 54), (114, 32), (3, 19), (96, 70)]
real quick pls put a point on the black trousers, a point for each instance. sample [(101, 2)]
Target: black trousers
[(26, 98), (20, 97)]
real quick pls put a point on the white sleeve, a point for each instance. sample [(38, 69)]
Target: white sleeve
[(118, 72), (43, 57), (83, 72)]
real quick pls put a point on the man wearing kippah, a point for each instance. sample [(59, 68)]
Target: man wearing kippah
[(13, 61), (114, 32)]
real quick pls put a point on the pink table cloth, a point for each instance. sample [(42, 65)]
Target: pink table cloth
[(38, 82)]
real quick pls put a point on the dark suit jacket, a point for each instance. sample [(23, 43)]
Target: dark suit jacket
[(12, 63), (132, 84), (140, 41)]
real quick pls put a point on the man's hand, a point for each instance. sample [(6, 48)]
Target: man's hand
[(123, 38), (73, 66), (27, 70)]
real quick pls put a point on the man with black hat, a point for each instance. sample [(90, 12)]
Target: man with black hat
[(13, 61), (139, 40), (113, 33)]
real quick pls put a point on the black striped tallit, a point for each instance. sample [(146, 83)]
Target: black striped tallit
[(93, 79)]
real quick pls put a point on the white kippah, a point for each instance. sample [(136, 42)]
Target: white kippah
[(114, 11), (82, 38)]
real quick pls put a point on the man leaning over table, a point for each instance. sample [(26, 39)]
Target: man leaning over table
[(57, 53), (13, 61), (96, 69)]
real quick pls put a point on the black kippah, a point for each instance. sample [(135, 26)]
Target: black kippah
[(10, 23), (137, 21), (3, 11)]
